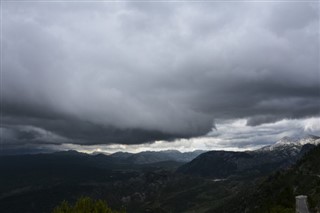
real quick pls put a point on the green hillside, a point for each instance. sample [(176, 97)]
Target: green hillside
[(277, 193)]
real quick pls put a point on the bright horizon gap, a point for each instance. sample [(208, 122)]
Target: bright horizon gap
[(229, 136)]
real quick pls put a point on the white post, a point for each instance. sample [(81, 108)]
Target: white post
[(302, 204)]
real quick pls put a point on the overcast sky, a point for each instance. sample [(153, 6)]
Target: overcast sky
[(158, 75)]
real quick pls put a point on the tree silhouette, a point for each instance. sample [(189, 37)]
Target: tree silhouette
[(85, 205)]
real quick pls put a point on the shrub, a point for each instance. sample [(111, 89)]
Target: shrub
[(84, 205)]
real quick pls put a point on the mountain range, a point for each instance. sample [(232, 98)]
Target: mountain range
[(222, 164), (292, 143), (160, 181), (154, 157)]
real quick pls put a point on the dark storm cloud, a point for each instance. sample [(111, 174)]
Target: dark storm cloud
[(94, 73), (260, 119), (79, 132)]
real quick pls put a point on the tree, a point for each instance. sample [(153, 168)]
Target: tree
[(84, 205)]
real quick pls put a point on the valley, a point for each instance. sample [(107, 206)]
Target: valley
[(162, 181)]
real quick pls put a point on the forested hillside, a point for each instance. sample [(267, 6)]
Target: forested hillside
[(277, 193)]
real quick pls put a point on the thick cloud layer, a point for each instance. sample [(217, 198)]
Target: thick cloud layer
[(233, 135), (101, 73)]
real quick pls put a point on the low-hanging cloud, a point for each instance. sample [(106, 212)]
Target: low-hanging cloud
[(130, 73)]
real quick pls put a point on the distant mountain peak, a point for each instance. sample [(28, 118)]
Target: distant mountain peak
[(295, 143), (285, 140), (312, 139)]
